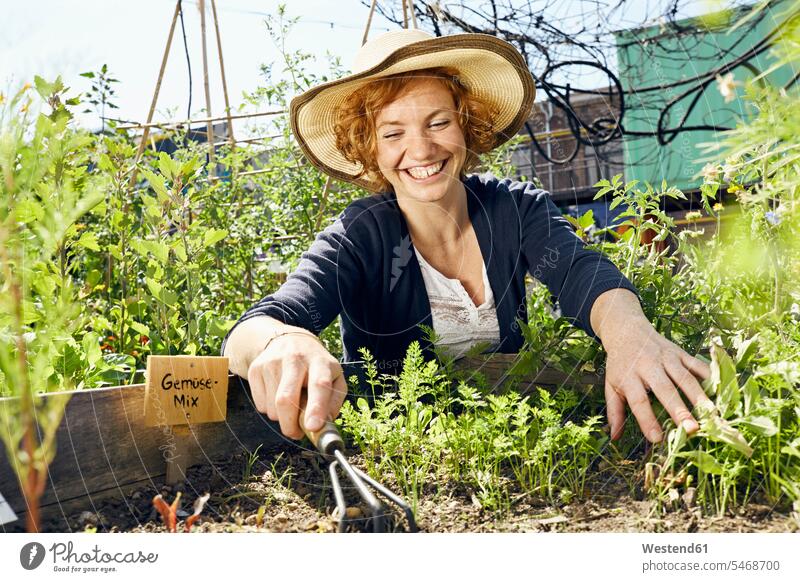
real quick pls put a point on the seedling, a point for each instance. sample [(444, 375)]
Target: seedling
[(169, 512)]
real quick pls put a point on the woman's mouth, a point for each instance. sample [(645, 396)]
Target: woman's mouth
[(425, 173)]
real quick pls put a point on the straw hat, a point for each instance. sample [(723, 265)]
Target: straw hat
[(490, 68)]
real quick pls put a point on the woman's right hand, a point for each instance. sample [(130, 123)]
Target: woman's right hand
[(278, 375)]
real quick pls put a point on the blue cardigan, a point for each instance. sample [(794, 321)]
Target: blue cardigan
[(363, 268)]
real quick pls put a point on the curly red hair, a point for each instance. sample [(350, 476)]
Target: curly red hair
[(355, 120)]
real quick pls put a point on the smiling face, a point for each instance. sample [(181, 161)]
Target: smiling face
[(429, 109), (420, 146)]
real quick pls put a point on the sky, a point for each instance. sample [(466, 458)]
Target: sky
[(67, 37)]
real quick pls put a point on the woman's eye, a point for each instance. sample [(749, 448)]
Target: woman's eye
[(391, 135), (441, 123)]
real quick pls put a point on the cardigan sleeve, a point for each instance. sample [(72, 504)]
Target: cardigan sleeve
[(556, 256), (328, 274)]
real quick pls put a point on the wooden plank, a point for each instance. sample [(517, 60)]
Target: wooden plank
[(495, 367), (104, 447), (103, 443)]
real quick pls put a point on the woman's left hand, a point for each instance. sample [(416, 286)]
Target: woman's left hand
[(640, 361)]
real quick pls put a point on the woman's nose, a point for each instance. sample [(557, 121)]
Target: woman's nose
[(420, 148)]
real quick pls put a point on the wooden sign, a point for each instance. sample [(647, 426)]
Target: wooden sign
[(185, 390)]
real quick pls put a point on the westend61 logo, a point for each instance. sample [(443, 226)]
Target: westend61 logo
[(66, 559)]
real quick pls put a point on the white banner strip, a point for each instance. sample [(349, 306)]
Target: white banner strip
[(484, 557)]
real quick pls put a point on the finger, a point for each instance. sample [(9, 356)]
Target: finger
[(615, 411), (272, 376), (256, 377), (287, 397), (320, 388), (639, 402), (669, 396), (338, 395), (686, 380), (696, 366)]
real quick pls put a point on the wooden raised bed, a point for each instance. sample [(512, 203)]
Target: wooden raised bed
[(104, 448)]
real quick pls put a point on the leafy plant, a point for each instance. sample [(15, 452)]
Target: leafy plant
[(100, 95), (44, 344), (425, 430)]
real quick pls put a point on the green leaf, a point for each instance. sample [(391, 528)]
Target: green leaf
[(761, 424), (168, 166), (91, 347), (586, 219), (158, 185), (43, 88), (88, 240), (745, 350), (158, 249), (751, 393), (29, 211), (213, 236), (792, 448), (180, 251), (168, 298), (723, 380), (154, 286), (139, 328), (703, 461), (719, 430)]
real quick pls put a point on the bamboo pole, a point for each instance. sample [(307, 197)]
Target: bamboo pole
[(143, 142), (222, 74), (413, 16), (323, 202), (172, 124), (251, 140), (405, 14), (209, 126), (369, 22)]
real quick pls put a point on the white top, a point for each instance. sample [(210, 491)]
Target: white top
[(458, 323)]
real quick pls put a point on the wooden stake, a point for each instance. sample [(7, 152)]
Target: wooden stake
[(143, 143), (210, 126), (405, 14), (323, 203), (369, 22), (413, 16), (175, 124), (181, 449), (222, 73)]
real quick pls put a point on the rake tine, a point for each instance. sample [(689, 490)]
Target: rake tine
[(337, 493), (412, 524), (376, 508)]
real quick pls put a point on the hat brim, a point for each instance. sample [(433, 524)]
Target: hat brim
[(492, 69)]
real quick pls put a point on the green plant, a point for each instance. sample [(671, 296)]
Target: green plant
[(250, 462), (44, 344), (101, 93), (748, 438), (425, 428)]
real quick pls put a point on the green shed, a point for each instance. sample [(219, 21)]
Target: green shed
[(653, 60)]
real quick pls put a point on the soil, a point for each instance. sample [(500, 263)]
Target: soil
[(293, 487)]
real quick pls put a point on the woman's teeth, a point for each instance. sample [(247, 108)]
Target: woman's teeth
[(422, 172)]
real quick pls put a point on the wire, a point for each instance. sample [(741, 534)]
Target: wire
[(332, 24)]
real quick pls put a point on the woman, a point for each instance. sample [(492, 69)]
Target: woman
[(437, 246)]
